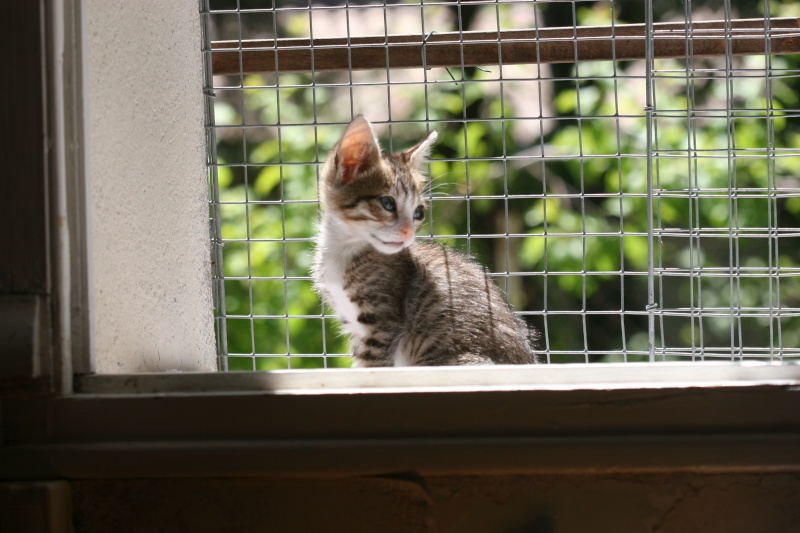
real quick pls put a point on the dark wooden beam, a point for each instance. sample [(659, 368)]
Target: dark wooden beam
[(546, 45)]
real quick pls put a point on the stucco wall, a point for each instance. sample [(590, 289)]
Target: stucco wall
[(149, 246), (679, 503)]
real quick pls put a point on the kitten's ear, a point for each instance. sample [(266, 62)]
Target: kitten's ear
[(418, 154), (357, 150)]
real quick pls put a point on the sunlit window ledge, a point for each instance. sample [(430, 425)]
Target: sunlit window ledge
[(601, 376)]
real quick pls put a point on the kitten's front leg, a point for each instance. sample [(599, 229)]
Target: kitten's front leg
[(373, 349)]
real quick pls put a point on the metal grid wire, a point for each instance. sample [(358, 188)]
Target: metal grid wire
[(628, 176)]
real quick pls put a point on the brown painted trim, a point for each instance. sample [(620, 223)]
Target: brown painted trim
[(546, 45), (23, 219), (737, 428)]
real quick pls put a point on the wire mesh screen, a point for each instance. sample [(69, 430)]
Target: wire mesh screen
[(627, 171)]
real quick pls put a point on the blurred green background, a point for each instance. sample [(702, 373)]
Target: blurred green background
[(546, 174)]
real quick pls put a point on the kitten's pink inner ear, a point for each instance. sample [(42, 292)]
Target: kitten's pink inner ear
[(357, 149), (418, 154)]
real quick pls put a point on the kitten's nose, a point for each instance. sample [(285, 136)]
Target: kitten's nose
[(406, 233)]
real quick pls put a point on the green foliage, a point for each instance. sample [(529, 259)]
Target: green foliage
[(577, 223)]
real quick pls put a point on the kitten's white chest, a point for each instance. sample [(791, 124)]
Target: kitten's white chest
[(333, 263), (344, 307)]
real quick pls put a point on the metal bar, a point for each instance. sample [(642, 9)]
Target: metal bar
[(649, 124), (218, 280)]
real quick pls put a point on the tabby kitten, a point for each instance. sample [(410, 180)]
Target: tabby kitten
[(403, 302)]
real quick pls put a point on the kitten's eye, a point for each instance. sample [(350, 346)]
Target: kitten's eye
[(419, 213), (387, 202)]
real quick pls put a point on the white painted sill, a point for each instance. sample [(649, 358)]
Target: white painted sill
[(566, 377)]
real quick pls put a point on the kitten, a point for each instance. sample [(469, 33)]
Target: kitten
[(403, 302)]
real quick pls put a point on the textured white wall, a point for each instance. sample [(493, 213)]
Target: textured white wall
[(149, 246)]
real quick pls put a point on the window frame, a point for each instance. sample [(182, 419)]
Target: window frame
[(702, 417), (376, 422)]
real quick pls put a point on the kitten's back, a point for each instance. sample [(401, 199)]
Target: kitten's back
[(440, 307)]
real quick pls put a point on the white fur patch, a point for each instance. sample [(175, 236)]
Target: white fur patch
[(404, 354), (336, 253), (401, 357)]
